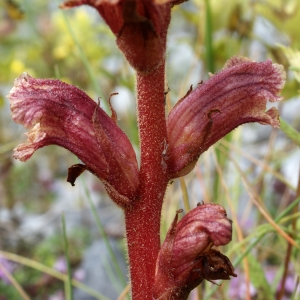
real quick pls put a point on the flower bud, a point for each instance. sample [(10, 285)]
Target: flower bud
[(140, 28), (186, 257)]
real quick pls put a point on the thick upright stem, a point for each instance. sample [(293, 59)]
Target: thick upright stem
[(143, 219)]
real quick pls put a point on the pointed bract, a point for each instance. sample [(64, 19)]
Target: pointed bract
[(186, 257), (61, 114), (236, 95)]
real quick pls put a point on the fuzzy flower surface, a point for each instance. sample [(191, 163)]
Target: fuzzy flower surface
[(186, 257), (60, 114), (235, 96)]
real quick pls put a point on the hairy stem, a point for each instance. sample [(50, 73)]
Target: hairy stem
[(143, 219)]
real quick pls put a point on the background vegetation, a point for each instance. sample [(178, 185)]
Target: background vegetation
[(253, 172)]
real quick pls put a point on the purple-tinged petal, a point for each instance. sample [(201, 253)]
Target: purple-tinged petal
[(186, 257), (236, 95), (61, 114)]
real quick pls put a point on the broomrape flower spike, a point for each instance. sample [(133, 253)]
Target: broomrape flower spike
[(61, 114), (186, 257)]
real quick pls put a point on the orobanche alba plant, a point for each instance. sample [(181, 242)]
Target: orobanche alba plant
[(60, 114)]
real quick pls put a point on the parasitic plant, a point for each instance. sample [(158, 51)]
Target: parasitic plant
[(61, 114)]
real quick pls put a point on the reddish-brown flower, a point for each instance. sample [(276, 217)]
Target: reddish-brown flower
[(186, 257), (61, 114), (236, 95), (140, 28)]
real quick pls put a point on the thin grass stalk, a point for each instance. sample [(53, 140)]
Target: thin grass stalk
[(286, 270), (208, 38), (68, 283), (47, 270), (199, 294), (295, 290), (7, 147), (293, 205), (83, 58), (14, 282), (267, 157), (290, 131), (258, 203), (257, 162), (185, 196), (206, 198), (105, 239), (235, 221), (292, 216), (262, 231), (289, 249), (124, 293)]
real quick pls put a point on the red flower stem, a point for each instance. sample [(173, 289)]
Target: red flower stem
[(143, 218)]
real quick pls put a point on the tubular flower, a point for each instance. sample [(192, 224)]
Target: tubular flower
[(140, 28), (186, 257), (236, 95), (61, 114)]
